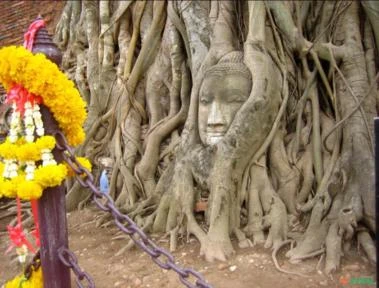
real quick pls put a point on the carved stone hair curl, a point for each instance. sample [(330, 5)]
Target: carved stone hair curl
[(229, 63)]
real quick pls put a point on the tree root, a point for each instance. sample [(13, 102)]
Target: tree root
[(216, 250), (310, 255), (174, 239), (8, 214), (243, 242), (368, 245), (314, 236), (274, 258)]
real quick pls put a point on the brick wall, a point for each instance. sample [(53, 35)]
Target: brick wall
[(16, 16)]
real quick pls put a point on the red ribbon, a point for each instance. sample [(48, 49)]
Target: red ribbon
[(16, 233), (31, 33), (35, 232), (20, 95), (18, 238)]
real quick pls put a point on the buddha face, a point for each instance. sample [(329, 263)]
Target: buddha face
[(221, 96)]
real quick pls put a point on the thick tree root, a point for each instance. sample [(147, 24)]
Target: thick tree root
[(368, 245), (274, 258), (310, 255), (333, 245), (243, 242), (216, 250)]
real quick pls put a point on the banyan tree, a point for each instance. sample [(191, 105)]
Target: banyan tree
[(237, 122)]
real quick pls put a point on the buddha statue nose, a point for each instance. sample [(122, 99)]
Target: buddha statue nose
[(215, 117)]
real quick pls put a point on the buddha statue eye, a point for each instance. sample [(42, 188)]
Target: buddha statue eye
[(205, 100), (237, 98)]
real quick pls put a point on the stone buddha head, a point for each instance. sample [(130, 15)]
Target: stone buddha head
[(225, 87)]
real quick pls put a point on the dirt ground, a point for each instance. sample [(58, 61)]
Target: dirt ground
[(253, 267)]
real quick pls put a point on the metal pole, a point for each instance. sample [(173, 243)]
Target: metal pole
[(52, 205), (376, 128)]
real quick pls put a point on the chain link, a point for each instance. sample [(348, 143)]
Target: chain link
[(159, 255), (33, 265), (69, 260)]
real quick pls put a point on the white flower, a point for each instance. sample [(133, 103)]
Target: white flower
[(29, 129), (29, 177), (15, 118), (28, 120), (13, 138), (30, 168), (28, 105), (37, 116), (13, 174), (46, 155), (40, 131), (38, 121), (6, 169), (28, 113), (29, 123), (12, 165), (50, 162), (15, 125), (47, 158), (10, 169), (29, 138)]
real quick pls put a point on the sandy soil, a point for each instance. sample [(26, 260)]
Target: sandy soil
[(96, 248)]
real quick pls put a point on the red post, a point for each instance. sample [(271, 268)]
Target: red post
[(52, 205)]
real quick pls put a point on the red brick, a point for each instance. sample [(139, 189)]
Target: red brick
[(17, 16)]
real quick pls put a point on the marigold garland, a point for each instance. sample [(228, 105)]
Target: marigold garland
[(24, 151), (50, 176), (42, 77), (44, 177), (35, 74)]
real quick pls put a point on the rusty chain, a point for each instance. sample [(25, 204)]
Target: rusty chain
[(33, 265), (123, 222), (70, 261)]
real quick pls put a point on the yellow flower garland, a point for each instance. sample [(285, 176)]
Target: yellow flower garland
[(35, 280), (24, 151), (45, 176), (42, 77)]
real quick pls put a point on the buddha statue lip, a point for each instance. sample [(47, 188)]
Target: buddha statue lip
[(216, 133), (214, 138), (220, 130), (213, 133)]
